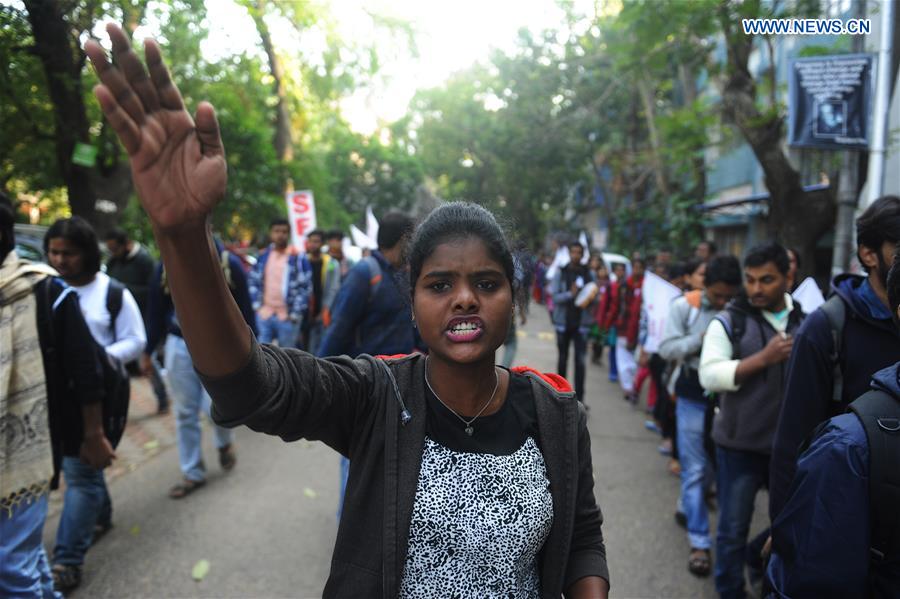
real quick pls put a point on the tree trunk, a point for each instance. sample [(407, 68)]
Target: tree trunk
[(56, 46), (647, 98), (796, 218), (283, 141)]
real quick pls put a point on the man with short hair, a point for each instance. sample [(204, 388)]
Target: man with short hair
[(279, 287), (52, 389), (191, 399), (371, 314), (131, 264), (572, 322), (744, 360), (705, 250), (823, 379), (338, 267), (837, 533), (686, 324), (313, 326)]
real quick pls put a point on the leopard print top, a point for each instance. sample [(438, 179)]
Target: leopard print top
[(478, 524)]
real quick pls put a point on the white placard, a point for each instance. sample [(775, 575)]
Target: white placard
[(362, 240), (301, 208), (809, 295), (372, 227), (658, 295)]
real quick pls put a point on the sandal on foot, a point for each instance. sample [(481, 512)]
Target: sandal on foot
[(65, 577), (699, 563), (185, 488)]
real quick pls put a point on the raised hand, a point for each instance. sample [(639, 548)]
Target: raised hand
[(177, 162)]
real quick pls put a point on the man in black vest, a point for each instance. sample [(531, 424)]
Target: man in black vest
[(838, 534), (744, 360)]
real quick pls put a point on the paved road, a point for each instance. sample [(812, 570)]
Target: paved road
[(267, 528)]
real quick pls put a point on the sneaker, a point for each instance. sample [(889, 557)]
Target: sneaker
[(651, 426), (227, 457)]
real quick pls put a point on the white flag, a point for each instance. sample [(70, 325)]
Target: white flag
[(371, 226)]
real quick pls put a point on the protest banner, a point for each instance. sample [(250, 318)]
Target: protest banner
[(658, 296), (809, 296), (301, 207)]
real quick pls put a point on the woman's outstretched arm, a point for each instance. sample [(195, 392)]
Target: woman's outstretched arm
[(178, 168)]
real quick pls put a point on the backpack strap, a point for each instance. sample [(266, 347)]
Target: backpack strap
[(735, 323), (114, 294), (374, 272), (836, 312), (879, 414)]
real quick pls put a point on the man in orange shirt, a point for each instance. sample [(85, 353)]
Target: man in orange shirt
[(279, 287)]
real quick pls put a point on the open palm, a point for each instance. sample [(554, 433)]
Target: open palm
[(177, 162)]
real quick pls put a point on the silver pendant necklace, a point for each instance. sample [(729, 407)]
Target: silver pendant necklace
[(470, 430)]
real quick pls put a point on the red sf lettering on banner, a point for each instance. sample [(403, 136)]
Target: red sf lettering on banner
[(301, 202), (301, 223)]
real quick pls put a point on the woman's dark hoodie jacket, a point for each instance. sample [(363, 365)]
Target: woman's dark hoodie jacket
[(372, 410)]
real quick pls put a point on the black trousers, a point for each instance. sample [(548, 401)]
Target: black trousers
[(578, 337), (664, 411)]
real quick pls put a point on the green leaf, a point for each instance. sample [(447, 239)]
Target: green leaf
[(201, 569)]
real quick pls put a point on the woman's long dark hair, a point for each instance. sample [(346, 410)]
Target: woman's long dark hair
[(79, 233)]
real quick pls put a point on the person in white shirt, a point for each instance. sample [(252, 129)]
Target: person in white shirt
[(73, 250), (744, 360)]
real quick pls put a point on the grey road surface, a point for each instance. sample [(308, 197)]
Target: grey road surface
[(267, 529)]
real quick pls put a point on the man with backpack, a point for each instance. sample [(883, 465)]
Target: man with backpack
[(682, 341), (572, 321), (840, 346), (371, 314), (50, 394), (115, 323), (744, 360), (838, 533), (190, 397)]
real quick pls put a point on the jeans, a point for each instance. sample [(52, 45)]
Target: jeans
[(613, 365), (740, 475), (510, 346), (345, 473), (626, 365), (190, 399), (314, 337), (24, 570), (159, 386), (579, 337), (86, 505), (285, 331), (694, 469)]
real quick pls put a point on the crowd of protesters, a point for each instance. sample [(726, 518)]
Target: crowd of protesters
[(748, 390), (743, 383)]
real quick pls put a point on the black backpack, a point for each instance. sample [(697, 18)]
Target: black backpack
[(879, 414), (116, 384)]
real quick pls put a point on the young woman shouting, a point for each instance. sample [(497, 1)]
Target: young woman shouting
[(466, 479)]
